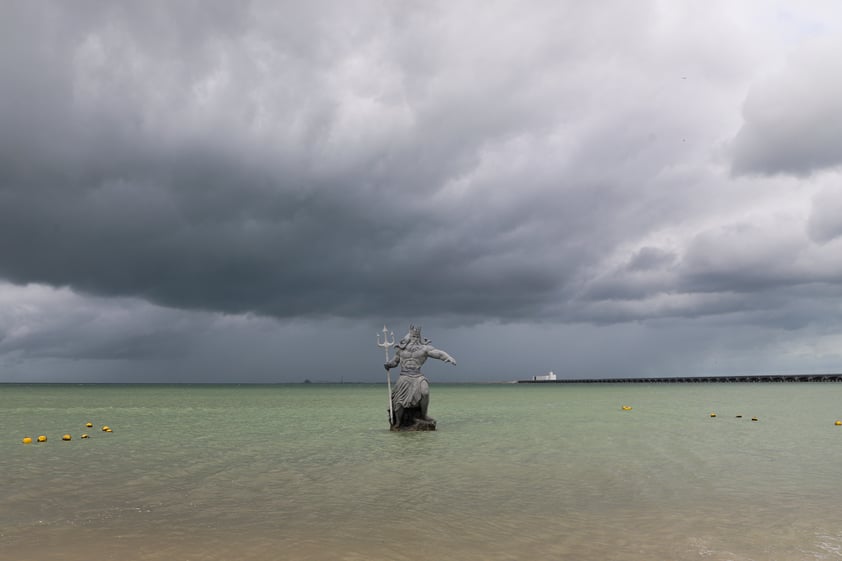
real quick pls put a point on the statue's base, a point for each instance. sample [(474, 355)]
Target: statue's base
[(412, 420), (416, 425)]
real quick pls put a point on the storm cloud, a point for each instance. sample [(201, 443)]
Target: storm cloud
[(793, 118), (567, 168)]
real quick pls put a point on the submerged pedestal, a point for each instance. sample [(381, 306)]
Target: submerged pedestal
[(413, 421)]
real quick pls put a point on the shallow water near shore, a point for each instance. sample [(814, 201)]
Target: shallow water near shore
[(311, 472)]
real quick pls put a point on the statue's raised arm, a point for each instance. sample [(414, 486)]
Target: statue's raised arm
[(411, 394)]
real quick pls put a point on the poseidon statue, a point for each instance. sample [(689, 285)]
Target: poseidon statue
[(411, 394)]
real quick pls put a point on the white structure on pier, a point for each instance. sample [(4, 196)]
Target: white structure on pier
[(545, 377)]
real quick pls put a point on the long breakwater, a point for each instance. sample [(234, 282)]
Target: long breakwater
[(698, 379)]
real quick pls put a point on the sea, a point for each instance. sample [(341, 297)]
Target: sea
[(514, 472)]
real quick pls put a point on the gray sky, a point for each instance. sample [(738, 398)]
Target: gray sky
[(247, 191)]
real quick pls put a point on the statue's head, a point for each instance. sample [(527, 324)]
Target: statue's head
[(413, 337), (415, 332)]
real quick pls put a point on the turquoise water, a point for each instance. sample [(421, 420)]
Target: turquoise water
[(310, 472)]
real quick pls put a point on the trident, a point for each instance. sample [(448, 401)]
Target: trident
[(386, 344)]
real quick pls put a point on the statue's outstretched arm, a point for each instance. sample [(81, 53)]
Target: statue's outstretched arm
[(441, 355)]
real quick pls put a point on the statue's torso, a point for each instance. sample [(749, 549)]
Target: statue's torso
[(413, 356)]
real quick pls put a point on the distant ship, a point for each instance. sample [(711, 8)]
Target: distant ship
[(545, 378)]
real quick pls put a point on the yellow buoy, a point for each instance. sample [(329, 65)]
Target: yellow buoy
[(65, 437), (42, 438), (713, 414), (84, 436), (105, 428), (838, 423), (108, 430), (89, 425), (28, 440), (627, 408)]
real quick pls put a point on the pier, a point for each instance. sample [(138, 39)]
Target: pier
[(753, 379)]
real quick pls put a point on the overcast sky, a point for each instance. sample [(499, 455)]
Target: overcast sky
[(247, 191)]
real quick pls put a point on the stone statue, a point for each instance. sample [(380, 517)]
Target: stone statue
[(411, 394)]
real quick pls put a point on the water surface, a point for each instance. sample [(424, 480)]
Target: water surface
[(310, 472)]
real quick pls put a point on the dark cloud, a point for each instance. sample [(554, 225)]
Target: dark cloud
[(468, 165), (149, 167), (44, 323)]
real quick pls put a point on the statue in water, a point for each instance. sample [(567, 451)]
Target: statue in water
[(411, 394)]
